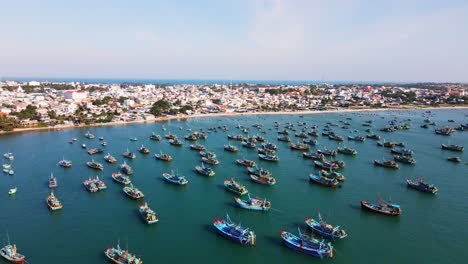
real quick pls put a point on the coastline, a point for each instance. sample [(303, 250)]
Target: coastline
[(179, 117)]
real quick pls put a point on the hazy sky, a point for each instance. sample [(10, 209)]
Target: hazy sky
[(394, 40)]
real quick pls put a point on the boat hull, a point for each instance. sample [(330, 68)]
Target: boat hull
[(368, 207)]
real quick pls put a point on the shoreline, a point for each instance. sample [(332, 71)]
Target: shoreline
[(167, 118)]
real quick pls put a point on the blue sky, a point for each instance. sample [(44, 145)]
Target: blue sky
[(397, 40)]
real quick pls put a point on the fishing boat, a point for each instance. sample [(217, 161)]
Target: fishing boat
[(10, 253), (333, 175), (270, 146), (88, 135), (403, 152), (207, 171), (90, 185), (263, 179), (125, 168), (283, 132), (52, 202), (211, 161), (110, 159), (248, 144), (259, 138), (235, 137), (258, 171), (404, 159), (301, 135), (207, 154), (234, 231), (327, 152), (246, 162), (133, 192), (129, 155), (155, 137), (299, 146), (326, 165), (421, 185), (9, 156), (170, 136), (133, 139), (444, 131), (253, 204), (325, 229), (335, 137), (148, 214), (310, 142), (205, 135), (175, 142), (144, 150), (386, 163), (95, 151), (324, 181), (118, 177), (198, 147), (235, 187), (65, 163), (12, 191), (268, 157), (7, 168), (101, 185), (389, 144), (101, 138), (346, 150), (94, 165), (454, 159), (307, 245), (313, 156), (264, 150), (382, 207), (230, 148), (52, 181), (453, 147), (162, 156), (119, 256), (373, 136), (284, 138), (357, 138), (174, 178)]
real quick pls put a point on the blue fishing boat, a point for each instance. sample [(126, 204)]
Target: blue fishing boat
[(234, 231), (263, 179), (119, 256), (404, 159), (421, 185), (324, 229), (268, 157), (253, 204), (258, 171), (205, 170), (324, 181), (304, 244)]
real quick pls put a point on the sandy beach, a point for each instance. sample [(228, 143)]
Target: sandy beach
[(180, 116)]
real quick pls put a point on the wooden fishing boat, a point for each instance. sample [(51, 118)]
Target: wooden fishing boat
[(162, 156), (129, 155), (284, 138), (176, 142), (144, 150), (174, 178), (95, 151), (118, 177), (110, 159), (90, 185), (119, 256), (373, 136), (357, 138), (208, 154), (234, 231), (205, 170), (404, 159), (230, 148), (421, 185), (313, 156), (246, 162), (235, 137), (248, 144), (299, 146), (335, 137), (444, 131), (310, 142), (149, 216), (265, 180), (235, 187), (198, 147), (324, 229), (155, 137), (191, 137), (95, 165), (305, 244), (324, 181), (326, 165), (210, 161), (125, 168), (258, 171), (253, 204), (403, 152), (382, 207), (327, 152), (65, 163), (387, 164), (53, 202), (133, 192), (346, 150), (453, 147), (333, 175)]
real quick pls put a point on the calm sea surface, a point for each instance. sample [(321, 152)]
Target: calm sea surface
[(431, 229)]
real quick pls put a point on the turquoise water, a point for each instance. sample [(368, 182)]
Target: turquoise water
[(430, 230)]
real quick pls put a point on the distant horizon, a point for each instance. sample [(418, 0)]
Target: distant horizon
[(205, 81)]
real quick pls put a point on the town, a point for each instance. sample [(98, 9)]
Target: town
[(36, 104)]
